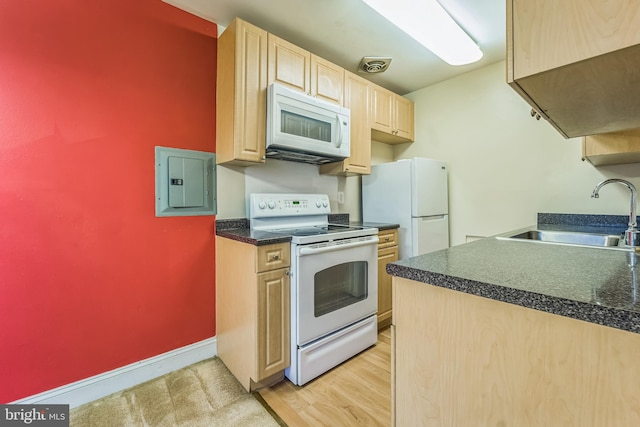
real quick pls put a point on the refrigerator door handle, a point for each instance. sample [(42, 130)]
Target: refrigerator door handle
[(431, 217)]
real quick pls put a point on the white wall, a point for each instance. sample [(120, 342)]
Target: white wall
[(381, 153), (230, 192), (276, 176), (504, 166)]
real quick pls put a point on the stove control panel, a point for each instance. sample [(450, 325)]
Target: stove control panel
[(265, 205)]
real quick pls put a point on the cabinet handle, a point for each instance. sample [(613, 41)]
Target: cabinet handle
[(287, 273), (535, 114), (340, 136), (387, 239), (275, 257)]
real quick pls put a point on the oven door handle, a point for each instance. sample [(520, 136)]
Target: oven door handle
[(338, 247)]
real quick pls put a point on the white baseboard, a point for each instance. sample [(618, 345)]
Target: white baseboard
[(101, 385)]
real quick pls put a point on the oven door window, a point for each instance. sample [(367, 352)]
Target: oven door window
[(334, 286), (339, 286)]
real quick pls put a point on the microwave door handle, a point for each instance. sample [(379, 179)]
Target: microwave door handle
[(340, 135), (332, 248)]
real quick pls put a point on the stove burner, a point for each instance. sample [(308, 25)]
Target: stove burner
[(322, 229), (341, 227), (308, 231)]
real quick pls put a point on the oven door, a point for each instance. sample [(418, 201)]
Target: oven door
[(336, 285)]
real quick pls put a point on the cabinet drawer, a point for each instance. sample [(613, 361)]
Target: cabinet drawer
[(271, 257), (387, 238)]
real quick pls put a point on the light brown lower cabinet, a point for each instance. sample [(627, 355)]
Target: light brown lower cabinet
[(252, 310), (387, 252), (464, 360)]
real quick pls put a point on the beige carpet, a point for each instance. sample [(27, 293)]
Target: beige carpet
[(203, 394)]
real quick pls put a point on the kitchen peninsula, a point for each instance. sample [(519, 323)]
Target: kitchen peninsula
[(504, 332)]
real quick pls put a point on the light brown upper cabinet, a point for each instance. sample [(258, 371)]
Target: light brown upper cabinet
[(391, 117), (249, 59), (577, 62), (299, 69), (241, 95), (289, 64), (612, 148), (356, 98), (327, 80)]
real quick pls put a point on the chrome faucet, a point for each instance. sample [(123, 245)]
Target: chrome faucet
[(631, 235)]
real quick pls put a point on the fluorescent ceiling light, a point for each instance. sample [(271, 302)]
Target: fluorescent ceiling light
[(428, 23)]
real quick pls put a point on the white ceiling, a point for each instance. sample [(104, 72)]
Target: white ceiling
[(343, 31)]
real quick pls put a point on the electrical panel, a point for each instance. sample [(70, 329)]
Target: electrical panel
[(185, 182)]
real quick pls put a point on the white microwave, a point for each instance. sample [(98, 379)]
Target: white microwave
[(305, 129)]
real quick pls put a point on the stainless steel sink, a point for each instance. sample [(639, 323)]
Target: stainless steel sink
[(567, 237)]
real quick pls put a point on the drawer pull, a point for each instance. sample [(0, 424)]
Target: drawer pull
[(275, 257)]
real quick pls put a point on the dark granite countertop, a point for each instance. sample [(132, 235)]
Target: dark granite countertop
[(256, 238), (593, 284), (239, 229)]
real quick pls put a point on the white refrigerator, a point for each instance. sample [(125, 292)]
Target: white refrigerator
[(414, 194)]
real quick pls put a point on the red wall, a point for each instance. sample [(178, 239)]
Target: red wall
[(90, 279)]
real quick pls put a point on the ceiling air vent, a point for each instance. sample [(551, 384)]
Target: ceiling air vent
[(374, 64)]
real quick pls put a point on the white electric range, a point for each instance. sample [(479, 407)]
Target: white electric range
[(334, 280)]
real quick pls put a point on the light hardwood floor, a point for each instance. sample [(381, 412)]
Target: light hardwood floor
[(357, 392)]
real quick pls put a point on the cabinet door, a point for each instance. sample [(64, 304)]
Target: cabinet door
[(612, 148), (289, 64), (327, 80), (356, 98), (241, 97), (403, 117), (273, 323), (576, 62), (391, 116), (381, 109), (385, 256), (548, 34)]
